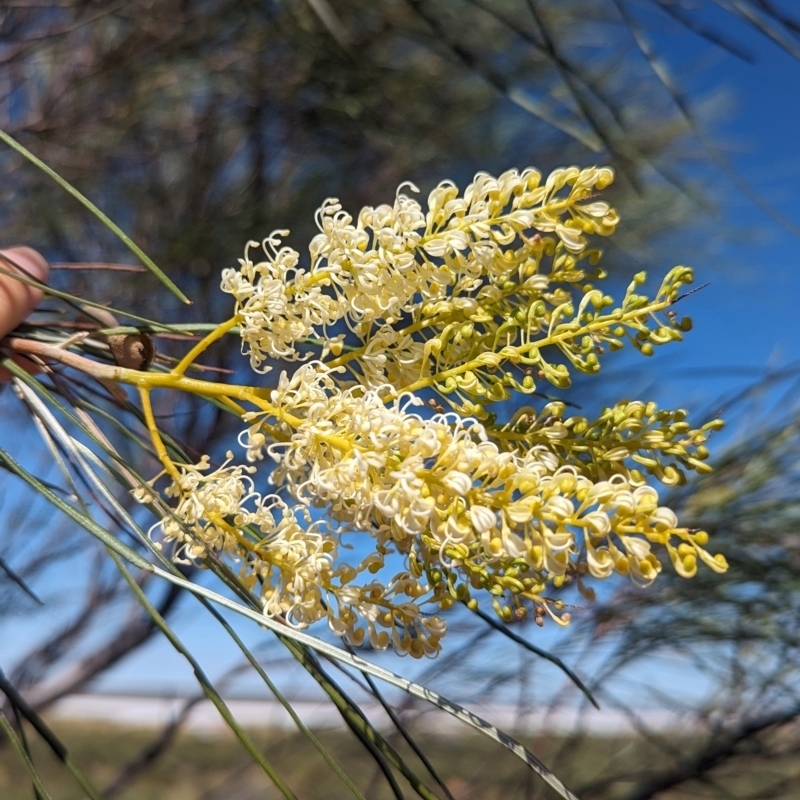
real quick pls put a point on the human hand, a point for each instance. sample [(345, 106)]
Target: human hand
[(18, 299)]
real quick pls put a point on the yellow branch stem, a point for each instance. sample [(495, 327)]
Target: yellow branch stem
[(147, 381), (158, 443), (203, 345)]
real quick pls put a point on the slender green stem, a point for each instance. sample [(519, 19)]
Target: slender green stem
[(19, 748)]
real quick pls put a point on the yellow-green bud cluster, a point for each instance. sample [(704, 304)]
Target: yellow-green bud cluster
[(622, 439)]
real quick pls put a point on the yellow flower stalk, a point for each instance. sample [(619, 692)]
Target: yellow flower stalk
[(411, 327)]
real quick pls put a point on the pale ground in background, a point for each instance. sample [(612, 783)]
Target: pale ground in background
[(148, 711)]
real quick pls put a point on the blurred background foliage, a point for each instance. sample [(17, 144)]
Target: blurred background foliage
[(200, 124)]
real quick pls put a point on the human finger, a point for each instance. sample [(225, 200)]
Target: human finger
[(18, 299)]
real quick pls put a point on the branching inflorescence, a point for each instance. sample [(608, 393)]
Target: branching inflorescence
[(411, 327)]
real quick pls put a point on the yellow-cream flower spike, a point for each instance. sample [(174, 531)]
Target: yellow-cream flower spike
[(399, 312)]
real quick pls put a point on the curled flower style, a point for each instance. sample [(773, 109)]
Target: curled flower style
[(218, 513), (272, 320)]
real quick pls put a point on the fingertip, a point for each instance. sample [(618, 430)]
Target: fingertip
[(31, 261), (17, 298)]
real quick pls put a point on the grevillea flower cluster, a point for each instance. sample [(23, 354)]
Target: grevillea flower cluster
[(410, 325)]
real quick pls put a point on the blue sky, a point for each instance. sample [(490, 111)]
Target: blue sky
[(748, 316)]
